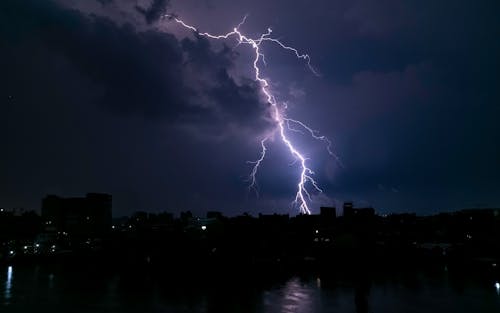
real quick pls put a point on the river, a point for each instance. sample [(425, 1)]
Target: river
[(43, 288)]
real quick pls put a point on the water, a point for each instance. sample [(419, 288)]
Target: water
[(35, 288)]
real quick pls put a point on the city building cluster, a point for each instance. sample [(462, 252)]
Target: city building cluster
[(84, 229)]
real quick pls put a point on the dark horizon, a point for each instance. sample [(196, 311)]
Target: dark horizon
[(82, 231), (75, 258), (201, 212)]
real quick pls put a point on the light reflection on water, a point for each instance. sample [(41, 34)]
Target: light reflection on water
[(296, 297), (51, 281), (69, 290), (8, 285)]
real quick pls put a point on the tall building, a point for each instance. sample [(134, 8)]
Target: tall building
[(88, 216), (328, 212)]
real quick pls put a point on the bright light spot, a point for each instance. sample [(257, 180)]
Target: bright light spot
[(11, 252), (25, 247), (53, 246), (203, 227), (1, 210), (113, 227), (37, 245), (497, 286), (317, 231), (8, 283)]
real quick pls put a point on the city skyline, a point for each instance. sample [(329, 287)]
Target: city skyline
[(77, 203)]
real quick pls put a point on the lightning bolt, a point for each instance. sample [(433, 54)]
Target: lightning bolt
[(284, 123)]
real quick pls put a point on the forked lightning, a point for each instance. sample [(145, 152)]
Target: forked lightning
[(278, 111)]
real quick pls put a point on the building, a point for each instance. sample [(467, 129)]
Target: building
[(88, 216), (351, 212), (328, 213)]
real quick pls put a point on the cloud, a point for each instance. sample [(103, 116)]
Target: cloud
[(92, 104), (155, 11), (146, 73), (104, 2), (379, 18), (100, 93)]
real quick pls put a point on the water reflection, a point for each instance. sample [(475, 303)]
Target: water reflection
[(296, 297), (8, 285), (96, 291), (51, 281)]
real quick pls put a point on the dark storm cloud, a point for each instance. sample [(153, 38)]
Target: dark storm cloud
[(140, 73), (423, 98), (237, 104), (104, 2), (155, 11), (408, 93), (89, 104)]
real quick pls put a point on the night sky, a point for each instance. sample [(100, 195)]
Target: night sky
[(107, 96)]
